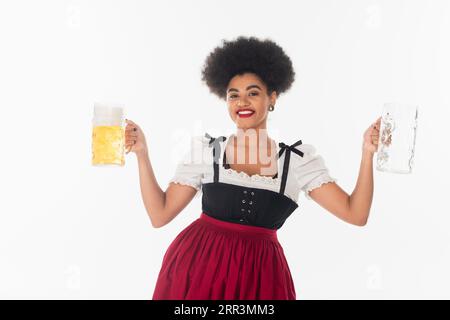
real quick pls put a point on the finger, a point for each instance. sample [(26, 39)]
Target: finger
[(131, 135), (130, 142), (131, 127)]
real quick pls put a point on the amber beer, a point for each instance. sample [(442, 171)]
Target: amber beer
[(108, 135)]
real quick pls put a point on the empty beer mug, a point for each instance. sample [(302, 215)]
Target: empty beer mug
[(108, 135), (397, 138)]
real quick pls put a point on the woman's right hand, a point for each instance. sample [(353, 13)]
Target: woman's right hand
[(134, 138)]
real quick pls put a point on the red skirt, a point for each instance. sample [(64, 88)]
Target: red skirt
[(213, 259)]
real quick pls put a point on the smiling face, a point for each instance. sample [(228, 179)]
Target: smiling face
[(248, 92)]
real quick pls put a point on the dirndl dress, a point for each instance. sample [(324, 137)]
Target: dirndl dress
[(231, 251)]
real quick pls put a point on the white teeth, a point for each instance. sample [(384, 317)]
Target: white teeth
[(245, 112)]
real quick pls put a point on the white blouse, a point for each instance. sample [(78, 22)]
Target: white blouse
[(305, 173)]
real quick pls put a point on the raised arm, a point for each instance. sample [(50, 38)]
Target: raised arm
[(354, 208), (161, 206)]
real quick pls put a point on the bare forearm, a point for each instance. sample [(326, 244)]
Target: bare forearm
[(152, 195), (361, 197)]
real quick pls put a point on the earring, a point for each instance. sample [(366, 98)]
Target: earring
[(271, 107)]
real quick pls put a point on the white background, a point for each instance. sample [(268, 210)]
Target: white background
[(69, 230)]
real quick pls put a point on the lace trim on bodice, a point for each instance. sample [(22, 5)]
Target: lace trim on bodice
[(255, 177)]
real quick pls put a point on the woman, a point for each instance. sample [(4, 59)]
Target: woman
[(231, 251)]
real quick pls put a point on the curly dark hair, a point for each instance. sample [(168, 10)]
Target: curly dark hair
[(264, 58)]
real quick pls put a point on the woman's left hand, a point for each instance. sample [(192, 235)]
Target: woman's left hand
[(371, 136)]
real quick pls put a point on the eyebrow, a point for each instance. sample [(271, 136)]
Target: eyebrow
[(248, 88)]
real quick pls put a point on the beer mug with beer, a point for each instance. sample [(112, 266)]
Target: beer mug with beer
[(108, 135)]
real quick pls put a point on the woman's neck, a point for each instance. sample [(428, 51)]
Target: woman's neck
[(251, 139)]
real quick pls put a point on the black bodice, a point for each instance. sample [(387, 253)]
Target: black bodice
[(246, 205)]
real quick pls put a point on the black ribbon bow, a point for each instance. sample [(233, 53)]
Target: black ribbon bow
[(288, 149), (215, 143)]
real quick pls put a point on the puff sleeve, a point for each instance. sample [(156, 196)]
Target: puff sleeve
[(310, 170), (190, 168)]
